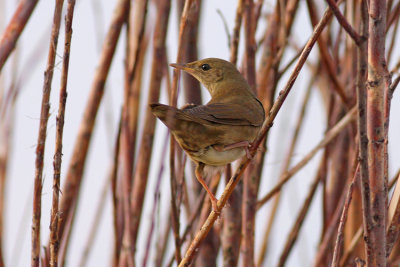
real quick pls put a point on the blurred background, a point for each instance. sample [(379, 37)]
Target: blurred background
[(24, 72)]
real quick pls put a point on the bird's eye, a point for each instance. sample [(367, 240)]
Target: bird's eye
[(205, 67)]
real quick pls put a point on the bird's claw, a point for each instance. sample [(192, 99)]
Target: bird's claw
[(248, 154), (214, 205)]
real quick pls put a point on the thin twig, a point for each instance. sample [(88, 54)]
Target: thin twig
[(78, 159), (162, 243), (54, 238), (173, 101), (326, 58), (251, 179), (294, 232), (393, 16), (97, 219), (331, 228), (345, 24), (357, 236), (343, 218), (231, 236), (40, 149), (156, 200), (135, 31), (329, 136), (289, 64), (264, 130), (231, 231), (208, 252), (195, 214), (191, 85), (117, 221), (236, 33), (392, 41), (285, 167), (7, 123), (394, 219), (145, 149), (9, 38), (353, 243), (226, 28)]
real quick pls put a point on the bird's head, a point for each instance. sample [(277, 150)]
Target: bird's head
[(211, 72)]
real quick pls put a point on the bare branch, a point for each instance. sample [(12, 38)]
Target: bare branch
[(9, 38), (40, 149)]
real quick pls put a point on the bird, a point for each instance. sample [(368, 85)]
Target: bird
[(222, 130)]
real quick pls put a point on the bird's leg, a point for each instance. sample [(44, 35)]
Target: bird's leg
[(199, 176), (244, 144)]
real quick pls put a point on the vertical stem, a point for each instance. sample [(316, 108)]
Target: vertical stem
[(343, 218), (75, 169), (191, 88), (183, 27), (156, 201), (40, 148), (236, 33), (362, 132), (117, 216), (9, 38), (294, 231), (54, 238), (136, 27), (146, 144), (252, 177), (285, 167), (377, 88), (231, 237)]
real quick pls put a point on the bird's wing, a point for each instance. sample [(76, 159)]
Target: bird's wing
[(228, 114)]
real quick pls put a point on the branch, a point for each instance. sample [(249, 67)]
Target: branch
[(376, 129), (362, 133), (75, 170), (54, 238), (14, 29), (40, 149), (156, 200), (345, 24), (329, 136), (263, 132), (146, 144), (343, 218), (236, 33), (252, 177), (136, 22), (173, 101), (285, 168), (294, 231), (394, 219), (327, 59)]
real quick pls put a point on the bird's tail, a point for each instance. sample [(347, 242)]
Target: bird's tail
[(166, 114)]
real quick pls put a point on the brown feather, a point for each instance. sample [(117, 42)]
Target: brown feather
[(234, 114)]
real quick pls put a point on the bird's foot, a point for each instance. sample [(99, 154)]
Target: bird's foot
[(199, 175), (245, 144), (248, 154), (214, 205)]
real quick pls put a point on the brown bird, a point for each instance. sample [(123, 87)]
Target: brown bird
[(221, 131)]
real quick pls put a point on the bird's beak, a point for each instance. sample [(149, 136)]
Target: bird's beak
[(184, 67), (177, 66)]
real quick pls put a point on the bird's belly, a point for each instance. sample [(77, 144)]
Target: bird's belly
[(210, 156)]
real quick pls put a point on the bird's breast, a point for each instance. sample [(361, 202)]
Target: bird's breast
[(211, 156)]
